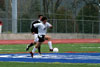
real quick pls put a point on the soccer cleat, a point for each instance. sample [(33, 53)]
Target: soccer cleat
[(27, 48), (51, 50), (40, 54), (31, 54)]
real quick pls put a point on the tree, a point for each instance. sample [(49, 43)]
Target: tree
[(90, 12), (2, 4), (51, 6), (88, 8), (57, 4), (34, 8)]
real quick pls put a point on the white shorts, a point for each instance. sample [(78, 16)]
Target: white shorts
[(36, 38)]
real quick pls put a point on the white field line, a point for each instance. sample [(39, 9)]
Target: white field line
[(8, 49), (90, 47)]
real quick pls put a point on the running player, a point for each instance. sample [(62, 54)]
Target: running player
[(42, 30), (35, 32)]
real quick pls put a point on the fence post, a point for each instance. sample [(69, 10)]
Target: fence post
[(0, 27), (14, 16)]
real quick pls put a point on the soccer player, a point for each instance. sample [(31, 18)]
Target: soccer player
[(42, 30), (35, 32)]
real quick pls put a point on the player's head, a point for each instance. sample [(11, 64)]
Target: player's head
[(40, 16), (44, 19)]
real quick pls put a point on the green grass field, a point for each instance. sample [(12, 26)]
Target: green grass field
[(93, 47)]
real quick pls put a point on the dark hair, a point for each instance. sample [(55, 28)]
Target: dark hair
[(39, 16), (44, 18)]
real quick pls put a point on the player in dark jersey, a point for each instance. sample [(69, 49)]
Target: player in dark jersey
[(42, 30), (34, 31)]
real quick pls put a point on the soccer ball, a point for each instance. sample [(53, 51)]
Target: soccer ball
[(55, 50)]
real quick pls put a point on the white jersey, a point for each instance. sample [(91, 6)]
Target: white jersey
[(39, 20), (42, 28)]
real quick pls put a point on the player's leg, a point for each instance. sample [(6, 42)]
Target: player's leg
[(49, 42), (31, 44), (39, 50), (40, 40), (37, 40), (35, 48)]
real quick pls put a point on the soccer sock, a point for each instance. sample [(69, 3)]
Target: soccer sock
[(39, 49), (34, 49), (50, 44), (30, 45)]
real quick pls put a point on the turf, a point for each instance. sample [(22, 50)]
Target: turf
[(93, 47), (23, 64)]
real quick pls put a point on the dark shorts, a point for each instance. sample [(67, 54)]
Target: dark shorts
[(41, 38)]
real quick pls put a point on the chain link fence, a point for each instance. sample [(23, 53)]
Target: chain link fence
[(74, 16)]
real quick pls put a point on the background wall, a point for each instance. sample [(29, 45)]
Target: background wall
[(77, 18), (28, 36)]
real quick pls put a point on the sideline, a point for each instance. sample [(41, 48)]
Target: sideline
[(55, 41)]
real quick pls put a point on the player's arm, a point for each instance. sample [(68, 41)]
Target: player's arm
[(49, 25), (32, 28), (36, 25)]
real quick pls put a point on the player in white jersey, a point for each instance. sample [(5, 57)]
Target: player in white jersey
[(42, 30), (34, 31)]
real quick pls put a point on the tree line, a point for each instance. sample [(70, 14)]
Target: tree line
[(74, 16)]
